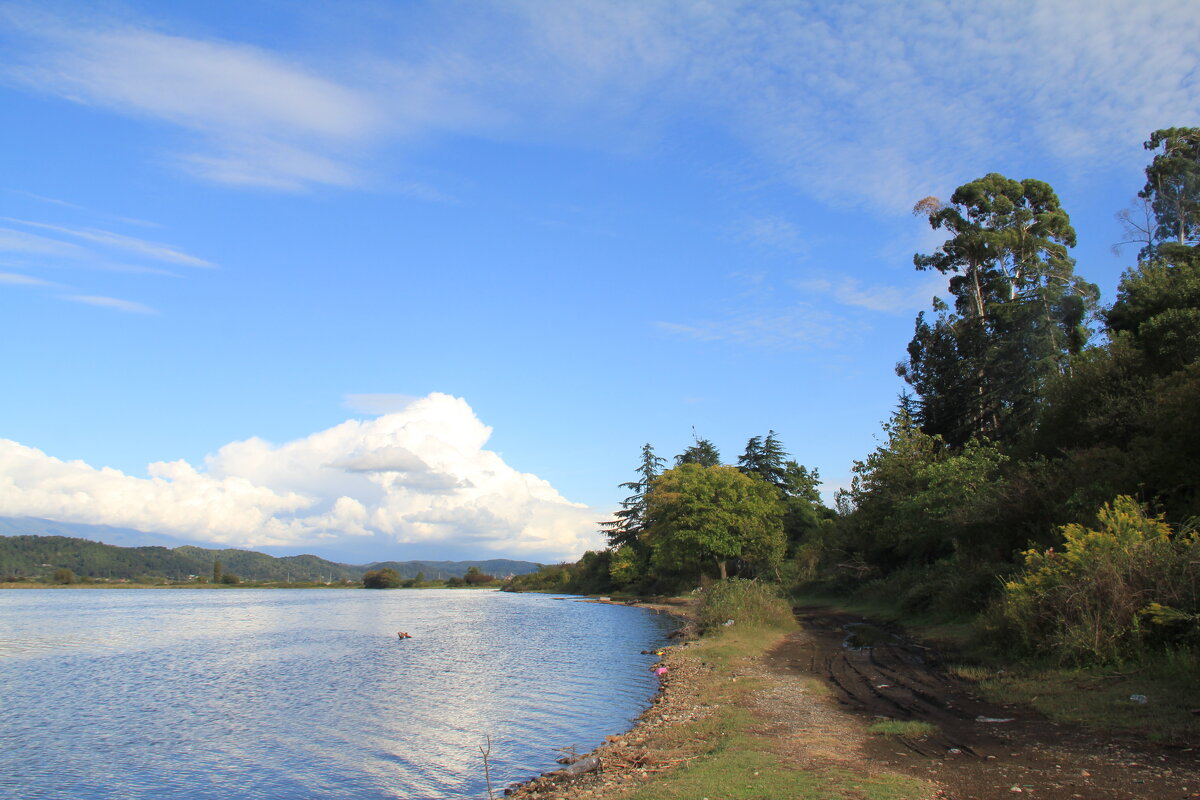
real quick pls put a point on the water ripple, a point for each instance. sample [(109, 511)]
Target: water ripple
[(308, 693)]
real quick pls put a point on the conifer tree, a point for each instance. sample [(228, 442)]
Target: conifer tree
[(627, 523)]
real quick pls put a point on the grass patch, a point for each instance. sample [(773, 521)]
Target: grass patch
[(912, 729), (747, 603), (1100, 698), (724, 757)]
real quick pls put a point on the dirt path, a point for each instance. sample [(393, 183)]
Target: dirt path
[(816, 697), (877, 673)]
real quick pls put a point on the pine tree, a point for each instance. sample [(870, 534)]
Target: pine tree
[(629, 522)]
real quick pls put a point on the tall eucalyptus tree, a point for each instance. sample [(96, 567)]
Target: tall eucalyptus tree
[(1019, 310)]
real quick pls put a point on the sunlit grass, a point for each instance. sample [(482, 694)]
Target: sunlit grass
[(721, 757)]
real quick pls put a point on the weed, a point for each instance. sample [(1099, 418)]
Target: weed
[(913, 729)]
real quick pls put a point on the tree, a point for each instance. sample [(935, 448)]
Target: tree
[(765, 458), (1173, 186), (711, 515), (386, 578), (217, 570), (64, 576), (701, 452), (475, 576), (1019, 310), (629, 522)]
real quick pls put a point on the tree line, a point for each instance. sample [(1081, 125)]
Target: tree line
[(1040, 472)]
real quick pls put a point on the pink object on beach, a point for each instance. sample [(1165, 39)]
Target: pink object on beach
[(660, 671)]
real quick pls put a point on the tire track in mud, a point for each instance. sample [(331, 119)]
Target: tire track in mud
[(981, 749)]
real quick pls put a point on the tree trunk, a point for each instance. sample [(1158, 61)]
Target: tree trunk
[(721, 566)]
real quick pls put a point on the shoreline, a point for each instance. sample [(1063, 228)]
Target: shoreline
[(626, 758)]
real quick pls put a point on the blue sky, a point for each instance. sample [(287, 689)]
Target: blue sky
[(398, 280)]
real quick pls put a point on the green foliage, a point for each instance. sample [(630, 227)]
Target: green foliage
[(749, 603), (1019, 309), (64, 576), (1173, 186), (1108, 593), (548, 578), (386, 578), (627, 524), (476, 577), (766, 459), (701, 452), (702, 516), (230, 579)]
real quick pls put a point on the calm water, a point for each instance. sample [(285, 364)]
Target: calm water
[(306, 693)]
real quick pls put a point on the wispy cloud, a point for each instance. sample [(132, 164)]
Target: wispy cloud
[(875, 103), (263, 120), (773, 231), (54, 201), (141, 247), (116, 304), (801, 327), (16, 279), (881, 298)]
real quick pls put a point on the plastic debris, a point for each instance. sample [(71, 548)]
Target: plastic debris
[(660, 670), (993, 719), (727, 623), (1140, 699)]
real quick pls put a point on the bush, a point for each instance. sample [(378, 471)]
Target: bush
[(1109, 594), (64, 576), (747, 603), (475, 577), (229, 579), (386, 578)]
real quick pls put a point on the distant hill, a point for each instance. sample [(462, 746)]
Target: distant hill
[(36, 547)]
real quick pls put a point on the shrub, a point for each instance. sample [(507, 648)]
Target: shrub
[(229, 579), (64, 576), (386, 578), (747, 603), (1108, 594)]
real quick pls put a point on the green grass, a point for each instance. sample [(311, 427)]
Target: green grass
[(743, 769), (1099, 698), (913, 729), (723, 756)]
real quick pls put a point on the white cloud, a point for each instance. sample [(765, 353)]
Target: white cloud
[(800, 327), (265, 120), (128, 306), (16, 279), (877, 102), (378, 403), (879, 297), (141, 247), (418, 475)]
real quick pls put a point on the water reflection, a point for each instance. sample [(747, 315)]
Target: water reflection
[(306, 693)]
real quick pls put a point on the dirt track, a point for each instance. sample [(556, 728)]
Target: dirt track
[(878, 673)]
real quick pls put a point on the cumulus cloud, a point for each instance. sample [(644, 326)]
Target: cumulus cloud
[(420, 475)]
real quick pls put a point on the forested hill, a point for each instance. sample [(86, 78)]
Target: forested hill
[(33, 556)]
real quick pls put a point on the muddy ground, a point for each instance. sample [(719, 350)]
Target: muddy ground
[(981, 750), (823, 686)]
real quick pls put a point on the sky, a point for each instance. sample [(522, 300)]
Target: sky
[(391, 280)]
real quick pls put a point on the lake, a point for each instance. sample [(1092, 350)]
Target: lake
[(281, 694)]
